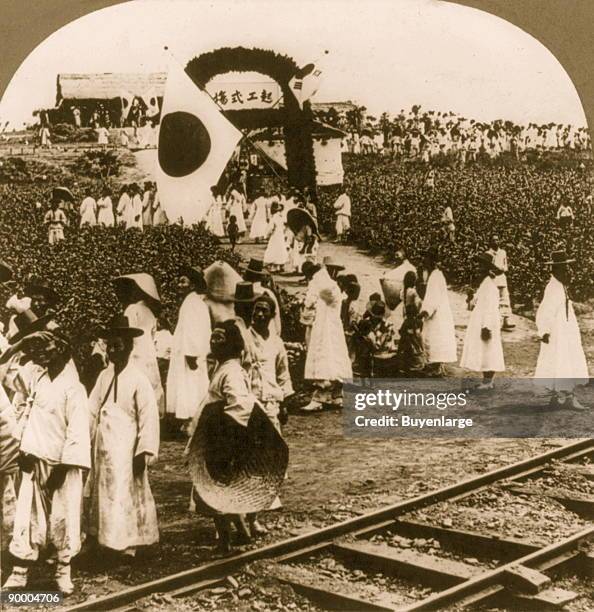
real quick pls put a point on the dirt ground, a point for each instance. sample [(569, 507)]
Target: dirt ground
[(331, 477)]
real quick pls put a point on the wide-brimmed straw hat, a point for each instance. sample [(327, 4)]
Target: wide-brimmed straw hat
[(119, 327), (559, 258), (221, 280), (236, 469), (27, 323), (143, 281)]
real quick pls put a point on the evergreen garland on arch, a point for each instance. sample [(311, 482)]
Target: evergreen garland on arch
[(298, 123)]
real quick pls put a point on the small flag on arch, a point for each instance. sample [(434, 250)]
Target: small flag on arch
[(305, 83)]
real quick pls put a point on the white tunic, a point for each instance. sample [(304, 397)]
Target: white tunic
[(144, 353), (125, 424), (135, 219), (561, 363), (125, 212), (276, 251), (327, 352), (105, 212), (259, 221), (56, 431), (481, 355), (88, 210), (236, 208), (186, 388), (439, 334)]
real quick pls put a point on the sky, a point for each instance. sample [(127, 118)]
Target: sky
[(384, 54)]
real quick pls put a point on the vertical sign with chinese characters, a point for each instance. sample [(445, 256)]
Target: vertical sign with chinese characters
[(240, 96)]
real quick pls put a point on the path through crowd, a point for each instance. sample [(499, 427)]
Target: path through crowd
[(521, 344)]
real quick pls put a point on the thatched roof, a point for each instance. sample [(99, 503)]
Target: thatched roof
[(108, 85), (339, 107)]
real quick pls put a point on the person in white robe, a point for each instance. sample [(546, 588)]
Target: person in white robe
[(125, 435), (147, 205), (259, 219), (214, 215), (561, 364), (439, 334), (135, 219), (229, 383), (276, 254), (500, 261), (342, 210), (187, 378), (54, 450), (124, 211), (9, 452), (140, 297), (271, 379), (159, 214), (88, 211), (236, 203), (392, 285), (105, 214), (483, 351), (327, 362)]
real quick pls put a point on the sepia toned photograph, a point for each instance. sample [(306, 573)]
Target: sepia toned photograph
[(296, 312)]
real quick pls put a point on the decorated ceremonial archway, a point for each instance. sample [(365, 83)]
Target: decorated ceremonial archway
[(296, 122)]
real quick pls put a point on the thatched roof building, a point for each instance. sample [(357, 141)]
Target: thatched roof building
[(108, 85)]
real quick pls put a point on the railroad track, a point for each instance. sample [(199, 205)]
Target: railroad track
[(516, 573)]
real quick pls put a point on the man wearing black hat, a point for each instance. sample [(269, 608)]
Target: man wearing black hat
[(561, 364), (54, 451), (187, 379), (125, 434), (256, 274)]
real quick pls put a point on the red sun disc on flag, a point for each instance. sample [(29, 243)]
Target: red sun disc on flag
[(184, 144)]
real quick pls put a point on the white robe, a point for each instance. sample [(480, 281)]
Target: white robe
[(125, 424), (125, 212), (214, 218), (259, 220), (186, 388), (439, 335), (561, 363), (105, 212), (144, 353), (55, 431), (147, 208), (276, 251), (135, 219), (236, 208), (88, 209), (327, 352), (484, 355)]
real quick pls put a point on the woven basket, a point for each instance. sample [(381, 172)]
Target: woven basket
[(236, 469)]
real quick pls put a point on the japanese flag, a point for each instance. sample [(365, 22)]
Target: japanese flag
[(152, 103), (195, 144), (305, 83)]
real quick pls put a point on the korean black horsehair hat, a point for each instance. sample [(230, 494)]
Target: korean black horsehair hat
[(119, 327)]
